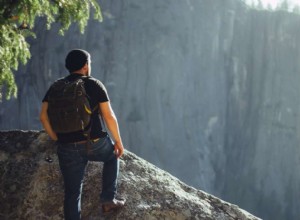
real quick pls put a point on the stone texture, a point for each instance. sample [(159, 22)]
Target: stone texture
[(32, 188)]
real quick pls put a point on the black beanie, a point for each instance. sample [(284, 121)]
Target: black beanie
[(76, 59)]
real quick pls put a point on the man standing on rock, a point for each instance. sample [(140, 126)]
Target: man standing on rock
[(89, 142)]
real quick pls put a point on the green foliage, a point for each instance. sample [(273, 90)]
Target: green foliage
[(17, 18)]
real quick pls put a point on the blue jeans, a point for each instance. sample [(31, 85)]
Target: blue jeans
[(73, 159)]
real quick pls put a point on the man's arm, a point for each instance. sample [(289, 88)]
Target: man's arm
[(45, 121), (112, 125)]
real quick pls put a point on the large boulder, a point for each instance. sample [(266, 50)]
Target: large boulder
[(31, 186)]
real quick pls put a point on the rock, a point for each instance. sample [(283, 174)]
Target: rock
[(36, 187)]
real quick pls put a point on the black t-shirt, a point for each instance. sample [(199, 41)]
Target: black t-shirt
[(96, 93)]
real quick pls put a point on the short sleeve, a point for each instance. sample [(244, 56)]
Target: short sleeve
[(96, 91), (101, 92)]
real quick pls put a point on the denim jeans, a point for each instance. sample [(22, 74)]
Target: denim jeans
[(73, 159)]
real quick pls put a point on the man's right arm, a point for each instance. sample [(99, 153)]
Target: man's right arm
[(45, 121), (112, 124)]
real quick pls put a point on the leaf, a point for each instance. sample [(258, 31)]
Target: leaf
[(13, 40)]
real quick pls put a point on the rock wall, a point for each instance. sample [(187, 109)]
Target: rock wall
[(207, 90), (31, 187)]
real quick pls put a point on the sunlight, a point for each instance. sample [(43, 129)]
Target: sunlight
[(273, 4)]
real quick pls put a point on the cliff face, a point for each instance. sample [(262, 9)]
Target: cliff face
[(207, 90), (31, 187)]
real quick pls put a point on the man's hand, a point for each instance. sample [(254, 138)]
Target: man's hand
[(119, 149)]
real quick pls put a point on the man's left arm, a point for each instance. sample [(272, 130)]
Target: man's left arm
[(45, 121)]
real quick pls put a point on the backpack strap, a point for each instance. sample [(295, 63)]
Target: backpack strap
[(88, 131)]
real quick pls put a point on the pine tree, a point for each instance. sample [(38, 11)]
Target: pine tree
[(17, 18), (284, 5)]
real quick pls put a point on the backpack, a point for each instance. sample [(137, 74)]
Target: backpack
[(68, 106)]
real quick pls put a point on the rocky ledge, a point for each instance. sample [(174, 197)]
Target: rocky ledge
[(31, 187)]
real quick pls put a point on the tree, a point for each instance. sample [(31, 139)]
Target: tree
[(17, 18), (284, 5), (296, 9), (260, 5)]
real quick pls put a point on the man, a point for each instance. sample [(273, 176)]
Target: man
[(72, 150)]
